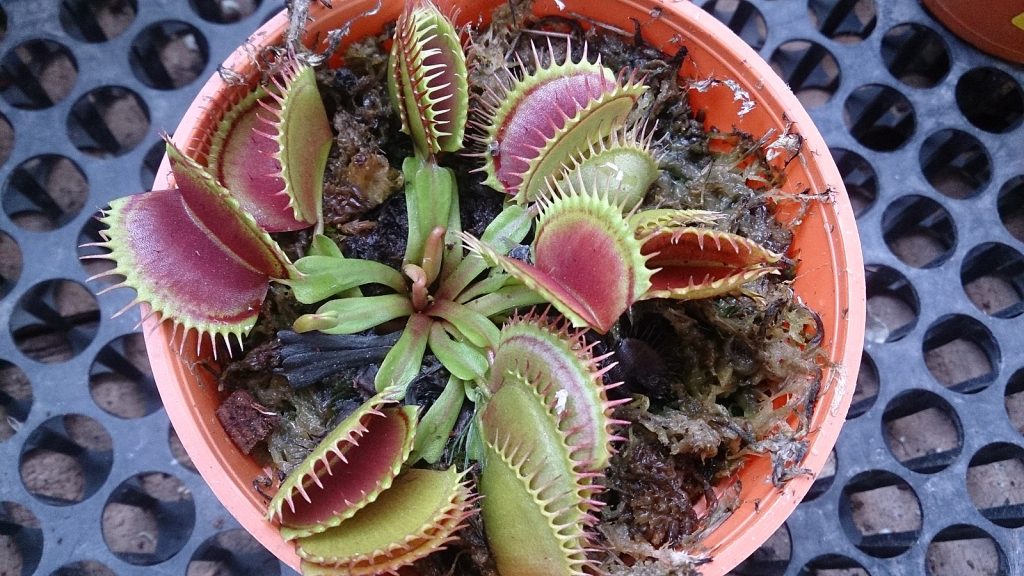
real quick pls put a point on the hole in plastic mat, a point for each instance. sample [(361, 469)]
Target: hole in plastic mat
[(108, 121), (37, 74), (1011, 207), (1015, 400), (84, 568), (232, 553), (10, 263), (150, 165), (880, 513), (6, 139), (993, 278), (961, 353), (893, 305), (962, 550), (859, 178), (54, 321), (845, 21), (148, 518), (178, 451), (169, 55), (919, 231), (21, 539), (866, 392), (743, 18), (824, 479), (66, 459), (224, 11), (995, 482), (833, 565), (97, 20), (922, 431), (916, 55), (771, 559), (44, 193), (879, 117), (955, 163), (120, 380), (15, 399), (811, 71), (991, 99)]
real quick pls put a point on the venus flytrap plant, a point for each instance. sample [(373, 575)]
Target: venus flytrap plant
[(439, 293), (271, 149), (592, 263), (349, 469), (199, 255), (585, 261), (545, 427), (447, 314), (557, 144), (535, 125), (417, 516), (623, 165), (427, 86)]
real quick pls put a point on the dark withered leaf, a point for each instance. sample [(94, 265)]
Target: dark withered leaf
[(311, 357)]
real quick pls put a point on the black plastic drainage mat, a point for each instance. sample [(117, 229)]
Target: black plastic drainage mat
[(928, 475)]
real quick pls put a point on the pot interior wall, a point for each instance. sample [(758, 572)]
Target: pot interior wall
[(829, 281)]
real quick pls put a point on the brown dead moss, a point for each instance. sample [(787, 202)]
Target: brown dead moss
[(245, 421), (359, 176)]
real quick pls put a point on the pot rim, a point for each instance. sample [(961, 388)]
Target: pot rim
[(754, 520)]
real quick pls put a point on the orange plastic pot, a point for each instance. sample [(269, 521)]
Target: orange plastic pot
[(830, 277), (993, 26)]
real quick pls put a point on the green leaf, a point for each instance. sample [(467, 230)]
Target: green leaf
[(623, 165), (351, 315), (477, 328), (462, 360), (504, 233), (509, 227), (453, 251), (488, 285), (474, 440), (437, 424), (325, 276), (505, 299), (324, 246), (402, 364), (429, 193), (305, 139)]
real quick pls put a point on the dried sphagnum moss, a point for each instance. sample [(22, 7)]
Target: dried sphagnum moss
[(737, 374)]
